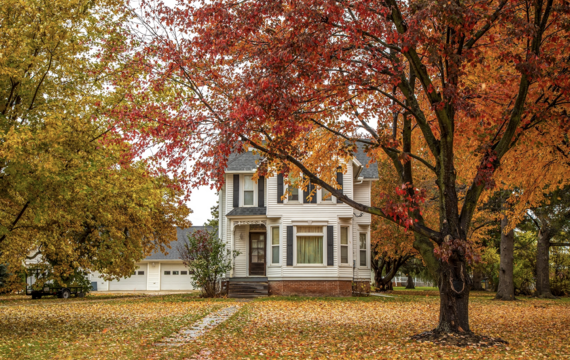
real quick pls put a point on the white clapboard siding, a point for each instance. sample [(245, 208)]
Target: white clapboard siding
[(240, 262)]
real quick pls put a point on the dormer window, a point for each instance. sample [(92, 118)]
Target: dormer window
[(248, 190)]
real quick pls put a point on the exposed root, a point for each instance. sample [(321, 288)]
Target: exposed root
[(458, 339)]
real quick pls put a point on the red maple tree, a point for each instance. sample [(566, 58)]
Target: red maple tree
[(453, 86)]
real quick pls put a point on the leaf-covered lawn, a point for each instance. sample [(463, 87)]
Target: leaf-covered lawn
[(94, 329), (292, 328), (379, 327)]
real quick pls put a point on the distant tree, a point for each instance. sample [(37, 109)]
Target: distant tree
[(215, 212), (552, 220), (208, 260)]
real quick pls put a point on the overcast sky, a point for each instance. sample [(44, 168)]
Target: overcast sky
[(201, 200)]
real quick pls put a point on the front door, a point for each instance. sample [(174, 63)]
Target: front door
[(257, 254)]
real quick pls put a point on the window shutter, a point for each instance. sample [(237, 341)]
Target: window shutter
[(236, 190), (289, 245), (261, 192), (339, 180), (330, 246), (280, 188)]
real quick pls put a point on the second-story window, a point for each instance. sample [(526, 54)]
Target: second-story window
[(247, 190), (293, 190), (326, 195)]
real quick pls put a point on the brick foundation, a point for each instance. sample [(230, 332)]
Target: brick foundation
[(361, 288), (311, 287)]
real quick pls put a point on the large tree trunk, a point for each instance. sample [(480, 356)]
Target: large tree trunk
[(410, 284), (454, 284), (506, 289), (543, 263), (476, 283)]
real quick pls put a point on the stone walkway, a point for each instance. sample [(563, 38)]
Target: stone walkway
[(200, 328)]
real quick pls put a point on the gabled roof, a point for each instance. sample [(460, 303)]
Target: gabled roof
[(247, 211), (370, 172), (246, 162), (242, 162), (182, 236)]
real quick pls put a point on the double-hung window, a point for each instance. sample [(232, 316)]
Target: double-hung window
[(326, 195), (247, 190), (344, 245), (310, 249), (293, 190), (362, 248), (275, 245)]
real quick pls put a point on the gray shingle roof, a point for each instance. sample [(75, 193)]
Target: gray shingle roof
[(247, 211), (182, 235), (242, 162), (246, 162), (370, 172)]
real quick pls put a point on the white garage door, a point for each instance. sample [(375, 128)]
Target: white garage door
[(174, 277), (137, 281)]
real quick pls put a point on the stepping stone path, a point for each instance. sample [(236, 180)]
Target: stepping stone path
[(200, 328)]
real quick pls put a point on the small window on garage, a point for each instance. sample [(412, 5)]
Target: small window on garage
[(141, 272), (184, 272), (167, 273), (175, 272)]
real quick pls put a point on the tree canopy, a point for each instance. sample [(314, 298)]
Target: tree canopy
[(460, 88)]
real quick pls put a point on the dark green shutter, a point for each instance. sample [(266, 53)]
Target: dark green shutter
[(340, 180), (330, 246), (289, 246), (236, 191), (280, 188), (261, 192)]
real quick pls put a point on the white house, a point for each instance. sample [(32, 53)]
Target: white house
[(287, 246), (296, 246), (159, 271)]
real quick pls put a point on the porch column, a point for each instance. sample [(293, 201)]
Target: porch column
[(232, 246)]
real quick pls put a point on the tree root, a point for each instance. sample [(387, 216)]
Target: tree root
[(458, 339)]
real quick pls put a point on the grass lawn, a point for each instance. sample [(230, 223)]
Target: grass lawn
[(276, 327)]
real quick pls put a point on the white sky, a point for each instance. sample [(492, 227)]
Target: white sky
[(201, 200)]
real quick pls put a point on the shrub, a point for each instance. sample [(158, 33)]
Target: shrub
[(208, 260)]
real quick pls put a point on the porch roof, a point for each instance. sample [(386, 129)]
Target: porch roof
[(248, 211)]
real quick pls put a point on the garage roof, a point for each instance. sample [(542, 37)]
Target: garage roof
[(172, 253)]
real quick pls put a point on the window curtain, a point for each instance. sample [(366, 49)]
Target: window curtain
[(309, 250)]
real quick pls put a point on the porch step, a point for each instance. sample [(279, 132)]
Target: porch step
[(239, 288)]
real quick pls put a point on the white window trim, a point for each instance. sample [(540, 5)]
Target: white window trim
[(242, 191), (323, 234), (349, 235), (270, 242), (367, 250)]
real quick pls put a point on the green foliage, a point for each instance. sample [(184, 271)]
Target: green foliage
[(208, 260), (524, 271), (560, 271), (215, 212), (70, 192)]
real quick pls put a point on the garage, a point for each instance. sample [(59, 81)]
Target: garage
[(137, 281), (175, 277)]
